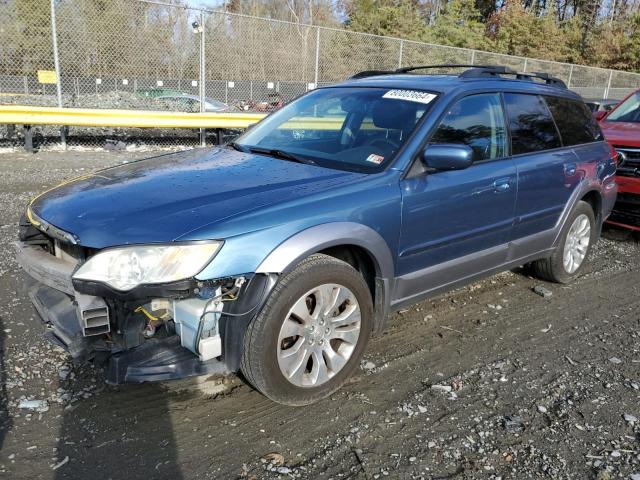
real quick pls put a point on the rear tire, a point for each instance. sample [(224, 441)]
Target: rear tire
[(310, 335), (572, 252)]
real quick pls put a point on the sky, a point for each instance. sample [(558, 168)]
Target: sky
[(213, 4)]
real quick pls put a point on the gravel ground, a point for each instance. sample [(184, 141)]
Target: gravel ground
[(490, 381)]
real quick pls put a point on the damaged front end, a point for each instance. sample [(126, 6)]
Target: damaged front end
[(138, 310)]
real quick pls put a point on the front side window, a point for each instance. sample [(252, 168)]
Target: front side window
[(627, 111), (358, 129), (476, 121), (531, 124), (574, 120)]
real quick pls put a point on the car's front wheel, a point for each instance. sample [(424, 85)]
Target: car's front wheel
[(311, 333)]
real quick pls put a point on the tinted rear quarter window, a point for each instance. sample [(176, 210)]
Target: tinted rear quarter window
[(531, 124), (574, 120)]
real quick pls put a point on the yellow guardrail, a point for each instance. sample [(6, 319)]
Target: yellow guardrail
[(82, 117), (85, 117)]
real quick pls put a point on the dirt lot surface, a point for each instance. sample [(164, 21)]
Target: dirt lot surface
[(490, 381)]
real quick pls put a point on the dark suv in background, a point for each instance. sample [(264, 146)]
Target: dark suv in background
[(281, 253)]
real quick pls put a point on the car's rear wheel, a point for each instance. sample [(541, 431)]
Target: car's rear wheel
[(571, 253), (311, 333)]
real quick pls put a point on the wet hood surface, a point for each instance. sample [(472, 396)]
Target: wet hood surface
[(622, 133), (163, 198)]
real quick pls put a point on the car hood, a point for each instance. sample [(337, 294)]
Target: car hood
[(162, 198), (622, 133)]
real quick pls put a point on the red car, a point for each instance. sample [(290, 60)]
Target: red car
[(621, 127)]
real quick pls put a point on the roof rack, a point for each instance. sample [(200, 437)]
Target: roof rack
[(487, 71), (550, 80), (446, 65), (473, 71), (371, 73)]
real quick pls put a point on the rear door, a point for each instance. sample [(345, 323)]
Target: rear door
[(546, 170), (579, 130), (458, 223)]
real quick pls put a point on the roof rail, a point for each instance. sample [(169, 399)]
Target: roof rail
[(549, 79), (487, 71), (446, 65), (371, 73), (473, 71)]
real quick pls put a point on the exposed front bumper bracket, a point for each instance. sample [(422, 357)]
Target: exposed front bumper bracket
[(159, 360), (44, 267)]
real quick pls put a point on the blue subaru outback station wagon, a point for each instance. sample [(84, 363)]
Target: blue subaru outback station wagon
[(281, 253)]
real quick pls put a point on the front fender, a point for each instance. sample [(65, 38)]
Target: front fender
[(320, 237), (276, 249)]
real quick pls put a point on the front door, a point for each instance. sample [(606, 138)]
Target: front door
[(458, 223)]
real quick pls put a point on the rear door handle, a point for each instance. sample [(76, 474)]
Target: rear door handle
[(501, 185), (570, 168)]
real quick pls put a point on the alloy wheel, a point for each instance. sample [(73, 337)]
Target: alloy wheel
[(576, 243), (318, 335)]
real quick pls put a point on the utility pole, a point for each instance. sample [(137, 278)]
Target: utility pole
[(56, 63), (199, 28)]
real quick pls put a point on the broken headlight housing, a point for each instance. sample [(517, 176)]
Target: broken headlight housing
[(124, 268)]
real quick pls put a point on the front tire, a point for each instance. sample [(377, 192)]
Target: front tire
[(311, 333), (570, 255)]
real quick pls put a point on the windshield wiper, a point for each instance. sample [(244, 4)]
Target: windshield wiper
[(276, 153), (237, 146)]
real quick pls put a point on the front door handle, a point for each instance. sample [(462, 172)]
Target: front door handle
[(502, 185)]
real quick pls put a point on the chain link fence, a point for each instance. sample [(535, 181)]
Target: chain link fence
[(148, 55)]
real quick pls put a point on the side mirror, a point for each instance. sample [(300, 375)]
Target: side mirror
[(599, 115), (446, 156)]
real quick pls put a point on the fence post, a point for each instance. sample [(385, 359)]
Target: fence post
[(606, 91), (400, 54), (56, 63), (473, 57), (570, 76), (317, 68), (524, 68), (202, 74)]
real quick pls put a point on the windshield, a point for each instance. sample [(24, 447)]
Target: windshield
[(357, 129), (627, 111)]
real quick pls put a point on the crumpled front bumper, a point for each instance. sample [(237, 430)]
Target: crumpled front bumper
[(51, 292), (55, 299)]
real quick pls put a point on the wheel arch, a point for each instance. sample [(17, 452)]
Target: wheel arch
[(594, 198), (354, 243), (328, 237), (589, 192)]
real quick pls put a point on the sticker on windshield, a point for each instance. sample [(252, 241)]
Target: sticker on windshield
[(377, 159), (410, 95)]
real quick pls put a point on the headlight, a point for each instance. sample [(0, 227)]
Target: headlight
[(127, 267)]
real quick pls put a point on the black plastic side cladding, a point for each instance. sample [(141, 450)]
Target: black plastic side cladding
[(232, 327)]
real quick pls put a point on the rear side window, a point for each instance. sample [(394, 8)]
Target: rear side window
[(476, 121), (574, 120), (531, 124)]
